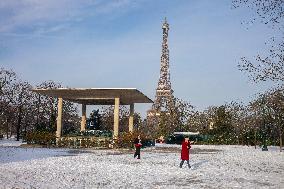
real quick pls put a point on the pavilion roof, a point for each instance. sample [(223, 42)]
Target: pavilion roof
[(97, 96)]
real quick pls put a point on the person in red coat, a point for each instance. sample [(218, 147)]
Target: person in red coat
[(185, 146)]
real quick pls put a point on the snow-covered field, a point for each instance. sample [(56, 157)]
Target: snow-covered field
[(212, 167)]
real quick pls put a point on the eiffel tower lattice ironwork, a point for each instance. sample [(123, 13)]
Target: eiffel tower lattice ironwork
[(164, 92)]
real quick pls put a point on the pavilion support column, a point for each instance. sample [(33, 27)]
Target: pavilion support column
[(116, 118), (131, 114), (59, 119), (83, 121)]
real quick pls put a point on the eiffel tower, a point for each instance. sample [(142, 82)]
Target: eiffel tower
[(164, 92)]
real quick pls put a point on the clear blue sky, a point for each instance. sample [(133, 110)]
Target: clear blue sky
[(97, 43)]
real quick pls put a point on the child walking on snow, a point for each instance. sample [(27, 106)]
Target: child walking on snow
[(185, 146), (137, 143)]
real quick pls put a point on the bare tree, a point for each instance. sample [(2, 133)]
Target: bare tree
[(275, 105), (269, 114), (21, 100), (175, 118), (22, 110), (199, 122), (8, 79), (266, 68), (270, 12), (271, 66)]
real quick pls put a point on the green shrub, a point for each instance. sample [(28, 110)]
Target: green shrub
[(84, 142), (41, 137)]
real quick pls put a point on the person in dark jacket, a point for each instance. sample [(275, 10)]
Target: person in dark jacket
[(138, 145), (185, 146)]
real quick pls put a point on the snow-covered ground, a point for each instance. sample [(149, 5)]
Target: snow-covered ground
[(10, 142), (212, 167)]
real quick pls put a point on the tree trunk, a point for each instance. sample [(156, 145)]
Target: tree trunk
[(255, 139), (238, 139), (25, 128), (280, 137), (7, 128), (19, 122), (38, 112)]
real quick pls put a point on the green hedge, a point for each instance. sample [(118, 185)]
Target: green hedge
[(41, 137), (85, 142)]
